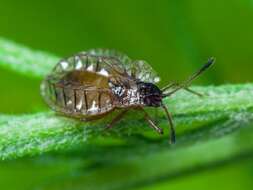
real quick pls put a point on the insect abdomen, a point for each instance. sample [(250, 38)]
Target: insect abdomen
[(79, 87), (76, 101)]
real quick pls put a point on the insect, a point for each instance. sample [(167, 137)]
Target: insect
[(91, 84)]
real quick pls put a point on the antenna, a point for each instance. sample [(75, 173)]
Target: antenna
[(186, 83)]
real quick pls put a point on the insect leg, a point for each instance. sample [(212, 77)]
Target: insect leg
[(116, 119), (150, 122), (172, 130)]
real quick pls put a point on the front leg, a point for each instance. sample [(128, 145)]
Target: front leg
[(150, 121), (172, 129)]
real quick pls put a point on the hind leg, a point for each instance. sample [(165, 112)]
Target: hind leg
[(116, 119)]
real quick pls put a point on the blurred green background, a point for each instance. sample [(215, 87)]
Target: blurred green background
[(174, 36)]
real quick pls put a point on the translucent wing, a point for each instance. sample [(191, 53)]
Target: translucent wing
[(104, 65), (123, 58), (81, 84), (144, 72), (85, 71), (139, 69)]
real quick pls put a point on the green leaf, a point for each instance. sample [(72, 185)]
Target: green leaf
[(22, 60), (211, 130), (21, 71)]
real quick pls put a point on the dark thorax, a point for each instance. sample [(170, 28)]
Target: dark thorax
[(150, 94), (126, 94), (137, 93)]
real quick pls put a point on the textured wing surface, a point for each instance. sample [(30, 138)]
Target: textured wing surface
[(139, 69), (144, 72), (77, 101), (84, 61), (78, 85)]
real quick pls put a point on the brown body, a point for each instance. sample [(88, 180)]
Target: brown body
[(88, 90), (91, 84), (91, 102)]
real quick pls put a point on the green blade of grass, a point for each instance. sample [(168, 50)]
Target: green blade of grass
[(137, 158), (211, 130), (22, 60), (42, 132), (21, 71)]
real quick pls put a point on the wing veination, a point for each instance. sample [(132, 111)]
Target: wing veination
[(138, 69), (144, 72)]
